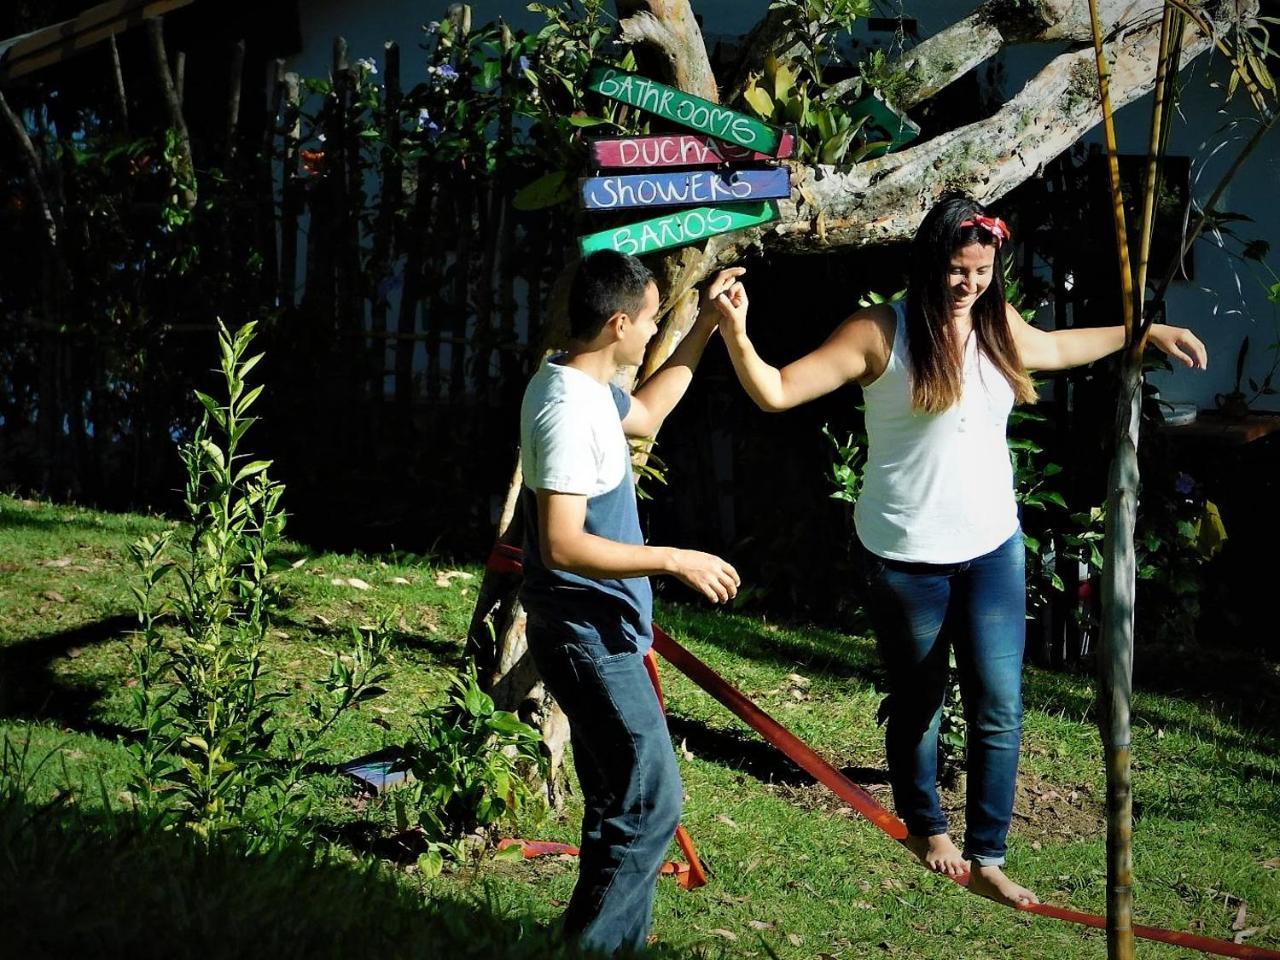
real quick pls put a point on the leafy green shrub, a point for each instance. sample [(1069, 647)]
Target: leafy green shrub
[(469, 763)]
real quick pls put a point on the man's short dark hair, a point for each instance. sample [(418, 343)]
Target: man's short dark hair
[(606, 282)]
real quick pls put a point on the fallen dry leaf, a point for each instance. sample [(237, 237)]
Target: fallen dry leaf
[(685, 752), (795, 939), (1239, 922), (357, 583), (1243, 935), (722, 932), (1272, 864), (759, 925), (54, 595), (725, 820), (398, 580), (798, 680), (446, 577), (324, 620), (60, 562), (297, 563)]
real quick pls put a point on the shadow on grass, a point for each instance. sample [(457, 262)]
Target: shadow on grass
[(71, 886), (749, 754), (812, 648), (30, 689)]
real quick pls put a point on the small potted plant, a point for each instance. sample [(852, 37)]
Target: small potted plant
[(1235, 404)]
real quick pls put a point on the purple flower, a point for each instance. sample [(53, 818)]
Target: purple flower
[(1184, 484), (432, 129), (447, 71), (521, 66), (432, 27)]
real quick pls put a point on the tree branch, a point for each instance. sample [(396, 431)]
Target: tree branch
[(31, 160), (669, 27), (884, 199)]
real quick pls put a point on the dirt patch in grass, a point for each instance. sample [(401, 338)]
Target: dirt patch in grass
[(1042, 811)]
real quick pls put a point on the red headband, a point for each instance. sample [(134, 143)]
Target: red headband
[(993, 225)]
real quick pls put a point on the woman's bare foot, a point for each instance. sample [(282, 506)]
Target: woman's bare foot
[(939, 854), (990, 882)]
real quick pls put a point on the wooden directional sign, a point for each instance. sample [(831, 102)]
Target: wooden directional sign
[(679, 228), (685, 109), (676, 150), (659, 189), (884, 123)]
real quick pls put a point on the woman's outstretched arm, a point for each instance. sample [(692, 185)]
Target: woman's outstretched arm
[(848, 354), (1064, 349)]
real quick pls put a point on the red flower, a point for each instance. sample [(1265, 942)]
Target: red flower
[(312, 161)]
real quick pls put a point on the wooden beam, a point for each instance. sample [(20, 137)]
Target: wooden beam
[(41, 48)]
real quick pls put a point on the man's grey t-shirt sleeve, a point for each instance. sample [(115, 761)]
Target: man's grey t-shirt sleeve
[(565, 459)]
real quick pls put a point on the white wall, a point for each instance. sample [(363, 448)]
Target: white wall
[(1223, 304)]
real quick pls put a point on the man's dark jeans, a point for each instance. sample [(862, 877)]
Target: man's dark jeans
[(627, 770)]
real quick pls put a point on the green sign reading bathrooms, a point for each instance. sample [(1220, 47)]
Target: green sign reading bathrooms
[(683, 108)]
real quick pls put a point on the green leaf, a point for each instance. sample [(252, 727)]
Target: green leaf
[(505, 722), (247, 400), (250, 469), (215, 411), (547, 191), (759, 101), (477, 702), (510, 854), (431, 863)]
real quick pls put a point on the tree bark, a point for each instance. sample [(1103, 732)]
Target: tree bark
[(171, 90), (1115, 659)]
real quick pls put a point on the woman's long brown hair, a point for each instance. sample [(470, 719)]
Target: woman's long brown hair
[(937, 358)]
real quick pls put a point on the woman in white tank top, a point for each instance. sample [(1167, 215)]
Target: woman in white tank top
[(937, 519)]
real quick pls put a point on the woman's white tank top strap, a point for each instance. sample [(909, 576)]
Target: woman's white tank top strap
[(938, 487)]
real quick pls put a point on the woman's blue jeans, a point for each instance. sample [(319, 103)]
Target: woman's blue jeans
[(919, 612), (631, 789)]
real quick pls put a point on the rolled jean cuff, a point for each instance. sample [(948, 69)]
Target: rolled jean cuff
[(978, 860)]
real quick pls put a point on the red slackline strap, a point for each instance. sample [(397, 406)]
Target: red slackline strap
[(809, 761), (505, 558), (508, 559)]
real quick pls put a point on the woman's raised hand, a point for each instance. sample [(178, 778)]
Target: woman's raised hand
[(732, 303), (1181, 344), (720, 284)]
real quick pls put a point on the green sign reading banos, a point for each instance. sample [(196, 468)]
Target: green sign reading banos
[(683, 108), (679, 228)]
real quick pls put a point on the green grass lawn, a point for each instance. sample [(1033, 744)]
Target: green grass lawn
[(793, 873)]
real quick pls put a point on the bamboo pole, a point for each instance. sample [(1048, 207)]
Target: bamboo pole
[(1115, 661), (1119, 579)]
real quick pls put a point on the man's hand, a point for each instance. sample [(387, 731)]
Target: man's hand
[(1181, 344), (708, 574), (719, 284)]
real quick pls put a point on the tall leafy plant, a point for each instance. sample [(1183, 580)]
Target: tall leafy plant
[(204, 703)]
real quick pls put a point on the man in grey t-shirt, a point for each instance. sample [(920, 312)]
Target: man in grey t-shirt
[(586, 586)]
